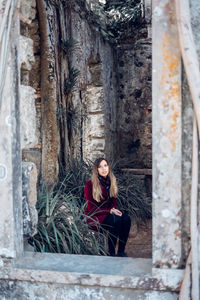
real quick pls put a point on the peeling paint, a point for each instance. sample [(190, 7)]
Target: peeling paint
[(166, 138)]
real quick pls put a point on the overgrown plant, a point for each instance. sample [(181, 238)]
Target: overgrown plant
[(123, 17), (62, 226), (61, 3), (71, 80), (132, 198), (69, 45)]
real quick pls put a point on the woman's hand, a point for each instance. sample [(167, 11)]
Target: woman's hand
[(116, 212)]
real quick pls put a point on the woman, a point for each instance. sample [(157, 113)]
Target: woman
[(100, 195)]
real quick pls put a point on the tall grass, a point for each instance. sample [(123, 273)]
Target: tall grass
[(133, 195), (62, 224)]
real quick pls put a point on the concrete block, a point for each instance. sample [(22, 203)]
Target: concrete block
[(26, 52), (94, 99), (95, 126), (10, 152), (27, 9), (167, 143), (28, 117), (29, 198)]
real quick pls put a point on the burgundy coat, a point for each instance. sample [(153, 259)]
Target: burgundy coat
[(97, 210)]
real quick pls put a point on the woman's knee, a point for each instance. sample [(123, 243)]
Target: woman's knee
[(117, 219)]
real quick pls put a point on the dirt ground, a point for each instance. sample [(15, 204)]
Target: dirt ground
[(140, 241)]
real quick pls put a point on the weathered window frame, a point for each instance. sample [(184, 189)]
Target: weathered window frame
[(167, 155)]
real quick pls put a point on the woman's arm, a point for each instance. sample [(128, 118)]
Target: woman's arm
[(88, 191), (114, 209), (93, 207), (114, 202)]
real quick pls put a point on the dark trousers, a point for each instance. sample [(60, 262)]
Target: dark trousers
[(117, 227)]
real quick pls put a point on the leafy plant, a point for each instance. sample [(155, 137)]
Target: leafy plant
[(59, 3), (74, 177), (70, 82), (69, 45), (62, 226), (123, 16), (132, 197)]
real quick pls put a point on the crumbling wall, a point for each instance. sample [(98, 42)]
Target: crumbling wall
[(134, 109), (30, 102), (78, 105), (187, 125), (94, 99), (67, 86), (135, 104)]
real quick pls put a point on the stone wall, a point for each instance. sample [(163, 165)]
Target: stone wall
[(134, 119), (11, 234), (94, 98), (108, 104), (77, 125), (30, 83), (44, 291), (134, 104), (187, 126)]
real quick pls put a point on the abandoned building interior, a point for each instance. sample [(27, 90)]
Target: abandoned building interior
[(94, 78)]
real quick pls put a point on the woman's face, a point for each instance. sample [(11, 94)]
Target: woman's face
[(103, 168)]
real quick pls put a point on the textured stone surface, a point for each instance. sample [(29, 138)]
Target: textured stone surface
[(49, 93), (26, 53), (32, 155), (29, 198), (167, 144), (10, 150), (105, 278), (139, 243), (147, 8), (28, 117), (93, 99), (27, 9), (102, 271), (97, 104), (30, 83), (134, 104), (15, 290), (187, 119)]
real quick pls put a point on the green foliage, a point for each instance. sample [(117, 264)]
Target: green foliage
[(62, 226), (71, 80), (74, 177), (123, 16), (60, 3), (132, 198), (69, 45)]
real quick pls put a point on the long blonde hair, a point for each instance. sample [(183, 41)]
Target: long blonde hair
[(96, 187)]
